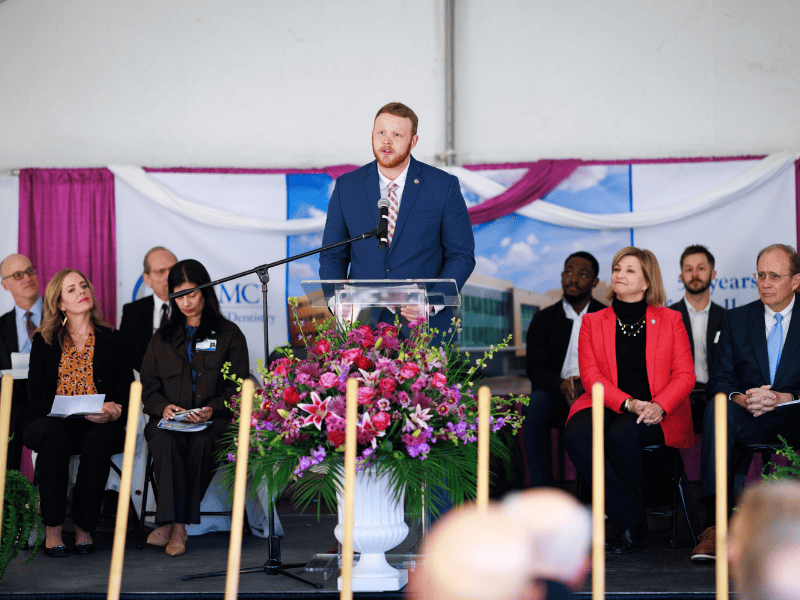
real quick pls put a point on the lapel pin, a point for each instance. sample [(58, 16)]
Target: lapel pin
[(416, 181), (653, 321)]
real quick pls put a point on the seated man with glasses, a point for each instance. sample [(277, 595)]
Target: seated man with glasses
[(757, 368), (16, 330)]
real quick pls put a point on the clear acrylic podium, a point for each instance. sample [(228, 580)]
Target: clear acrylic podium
[(364, 300)]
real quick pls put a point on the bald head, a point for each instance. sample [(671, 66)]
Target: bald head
[(474, 556), (20, 279), (559, 532)]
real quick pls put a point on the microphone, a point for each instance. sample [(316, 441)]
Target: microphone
[(382, 231)]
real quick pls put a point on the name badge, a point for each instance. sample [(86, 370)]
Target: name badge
[(207, 345)]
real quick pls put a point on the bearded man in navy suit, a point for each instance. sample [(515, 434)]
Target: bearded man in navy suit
[(432, 238), (757, 368)]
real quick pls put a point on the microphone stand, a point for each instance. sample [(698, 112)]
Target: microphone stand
[(273, 566)]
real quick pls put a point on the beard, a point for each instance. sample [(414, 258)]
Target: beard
[(392, 163), (697, 286)]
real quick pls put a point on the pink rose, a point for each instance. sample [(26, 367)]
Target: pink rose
[(438, 380), (362, 362), (409, 370), (387, 386), (321, 347), (381, 420), (365, 395), (336, 438), (351, 355), (328, 380)]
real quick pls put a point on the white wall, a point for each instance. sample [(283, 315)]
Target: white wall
[(273, 83)]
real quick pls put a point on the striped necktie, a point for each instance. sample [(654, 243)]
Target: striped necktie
[(394, 209), (774, 343), (30, 326)]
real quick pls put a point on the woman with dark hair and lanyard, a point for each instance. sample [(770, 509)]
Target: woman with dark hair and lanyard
[(181, 371)]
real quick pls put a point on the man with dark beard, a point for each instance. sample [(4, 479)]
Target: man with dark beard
[(430, 235), (552, 362), (702, 318)]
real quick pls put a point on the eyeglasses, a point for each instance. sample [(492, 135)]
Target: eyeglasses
[(159, 272), (30, 272), (773, 277), (582, 275)]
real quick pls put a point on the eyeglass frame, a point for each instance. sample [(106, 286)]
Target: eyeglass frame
[(30, 272), (773, 277)]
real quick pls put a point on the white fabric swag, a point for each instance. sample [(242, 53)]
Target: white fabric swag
[(485, 188)]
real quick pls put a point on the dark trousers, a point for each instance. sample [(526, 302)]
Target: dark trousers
[(184, 465), (16, 433), (55, 441), (624, 440), (543, 412), (743, 427)]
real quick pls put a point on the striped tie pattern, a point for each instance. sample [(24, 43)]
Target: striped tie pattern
[(394, 209)]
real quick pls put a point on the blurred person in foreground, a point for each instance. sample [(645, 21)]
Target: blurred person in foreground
[(181, 370), (74, 353), (559, 531), (638, 349), (474, 555), (764, 541)]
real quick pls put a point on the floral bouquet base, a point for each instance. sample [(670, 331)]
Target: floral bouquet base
[(378, 526)]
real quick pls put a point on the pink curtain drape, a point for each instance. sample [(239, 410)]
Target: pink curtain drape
[(66, 220)]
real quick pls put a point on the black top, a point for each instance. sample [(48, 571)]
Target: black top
[(631, 359)]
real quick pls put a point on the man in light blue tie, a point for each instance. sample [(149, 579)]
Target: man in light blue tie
[(757, 367)]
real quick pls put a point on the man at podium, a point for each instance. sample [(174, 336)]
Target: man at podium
[(429, 231)]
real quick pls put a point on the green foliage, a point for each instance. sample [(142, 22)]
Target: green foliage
[(20, 518), (774, 471)]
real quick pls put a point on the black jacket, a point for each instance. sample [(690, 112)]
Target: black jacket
[(113, 373), (547, 343), (137, 325)]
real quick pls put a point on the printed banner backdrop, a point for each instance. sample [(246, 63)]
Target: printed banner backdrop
[(142, 224), (734, 233)]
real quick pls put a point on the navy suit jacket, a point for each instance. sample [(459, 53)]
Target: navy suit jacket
[(432, 238), (741, 360)]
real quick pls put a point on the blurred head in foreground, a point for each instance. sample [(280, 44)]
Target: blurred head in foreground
[(559, 533), (473, 555), (764, 541)]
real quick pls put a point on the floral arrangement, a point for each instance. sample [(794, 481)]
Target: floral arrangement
[(417, 414)]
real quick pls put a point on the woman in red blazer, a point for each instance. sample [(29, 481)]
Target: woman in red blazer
[(639, 351)]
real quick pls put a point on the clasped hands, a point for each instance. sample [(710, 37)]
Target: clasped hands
[(762, 400), (650, 413), (111, 412), (201, 416)]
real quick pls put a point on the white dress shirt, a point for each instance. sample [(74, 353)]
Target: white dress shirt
[(769, 319), (699, 321), (157, 304), (570, 367)]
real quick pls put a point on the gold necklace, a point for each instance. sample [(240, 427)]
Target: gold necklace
[(633, 329)]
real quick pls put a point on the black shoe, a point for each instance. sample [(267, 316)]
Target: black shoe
[(59, 551), (83, 549), (630, 539), (612, 539)]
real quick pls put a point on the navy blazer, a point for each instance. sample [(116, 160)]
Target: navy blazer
[(111, 368), (432, 238), (715, 314), (137, 325), (547, 343), (742, 361)]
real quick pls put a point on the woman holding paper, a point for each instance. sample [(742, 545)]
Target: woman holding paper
[(75, 353), (181, 371), (640, 352)]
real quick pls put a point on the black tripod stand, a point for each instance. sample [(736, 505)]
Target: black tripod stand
[(273, 566)]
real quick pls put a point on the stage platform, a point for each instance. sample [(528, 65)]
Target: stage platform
[(656, 572)]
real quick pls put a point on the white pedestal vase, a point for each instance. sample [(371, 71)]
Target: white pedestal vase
[(378, 526)]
